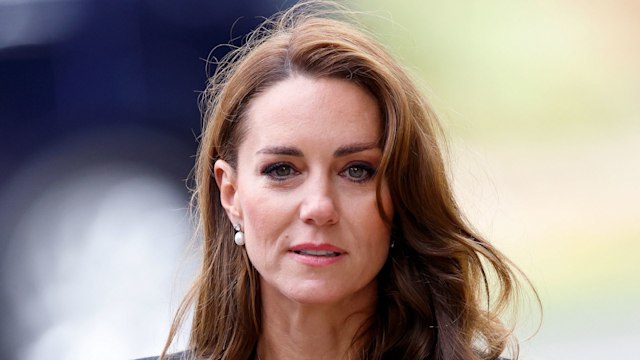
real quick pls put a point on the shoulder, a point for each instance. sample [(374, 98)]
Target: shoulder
[(177, 356)]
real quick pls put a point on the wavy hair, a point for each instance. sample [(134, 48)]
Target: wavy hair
[(443, 288)]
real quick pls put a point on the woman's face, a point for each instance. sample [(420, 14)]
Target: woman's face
[(304, 190)]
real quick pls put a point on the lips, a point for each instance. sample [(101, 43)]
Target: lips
[(319, 250), (317, 253)]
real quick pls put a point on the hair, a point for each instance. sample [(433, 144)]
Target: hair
[(443, 288)]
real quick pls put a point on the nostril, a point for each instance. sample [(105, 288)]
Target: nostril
[(319, 211)]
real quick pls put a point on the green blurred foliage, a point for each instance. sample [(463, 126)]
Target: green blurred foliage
[(552, 70)]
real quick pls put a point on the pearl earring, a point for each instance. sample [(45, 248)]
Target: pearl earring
[(238, 238)]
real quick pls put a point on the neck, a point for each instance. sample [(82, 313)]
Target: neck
[(293, 330)]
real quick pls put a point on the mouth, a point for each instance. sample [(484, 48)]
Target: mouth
[(319, 253), (317, 250)]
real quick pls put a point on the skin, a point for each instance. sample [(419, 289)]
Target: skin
[(306, 177)]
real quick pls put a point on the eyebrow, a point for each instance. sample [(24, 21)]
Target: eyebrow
[(280, 150), (341, 151), (354, 148)]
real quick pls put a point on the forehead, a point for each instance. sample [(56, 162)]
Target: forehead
[(300, 110)]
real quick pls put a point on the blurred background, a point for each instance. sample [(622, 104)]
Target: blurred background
[(99, 122)]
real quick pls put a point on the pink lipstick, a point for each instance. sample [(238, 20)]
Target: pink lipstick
[(316, 254)]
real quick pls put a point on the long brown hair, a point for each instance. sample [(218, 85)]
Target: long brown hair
[(435, 300)]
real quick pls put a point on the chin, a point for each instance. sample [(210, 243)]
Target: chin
[(312, 292)]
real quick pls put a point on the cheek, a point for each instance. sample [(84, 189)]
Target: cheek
[(264, 216), (371, 230), (256, 221), (387, 203), (372, 216), (381, 227)]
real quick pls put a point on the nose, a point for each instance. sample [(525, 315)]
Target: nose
[(318, 206)]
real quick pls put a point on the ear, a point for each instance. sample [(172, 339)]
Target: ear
[(227, 183)]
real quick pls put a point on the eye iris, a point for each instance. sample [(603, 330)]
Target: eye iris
[(356, 172), (282, 171)]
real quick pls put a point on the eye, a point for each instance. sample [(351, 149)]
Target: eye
[(359, 172), (356, 172), (279, 171)]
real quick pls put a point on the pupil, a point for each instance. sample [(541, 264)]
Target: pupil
[(282, 171), (355, 172)]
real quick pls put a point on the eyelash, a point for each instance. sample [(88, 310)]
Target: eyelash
[(370, 170), (270, 170)]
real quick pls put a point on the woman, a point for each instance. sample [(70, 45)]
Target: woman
[(329, 227)]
